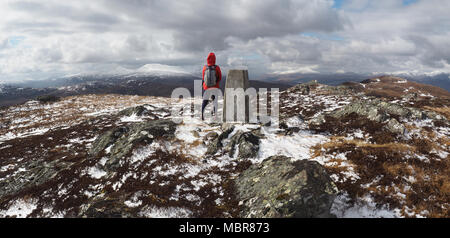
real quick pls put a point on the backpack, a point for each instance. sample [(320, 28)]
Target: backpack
[(210, 78)]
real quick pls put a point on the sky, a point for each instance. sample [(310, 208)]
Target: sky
[(43, 39)]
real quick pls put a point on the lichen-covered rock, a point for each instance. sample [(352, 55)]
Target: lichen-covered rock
[(395, 127), (211, 136), (306, 88), (382, 112), (123, 140), (379, 110), (216, 144), (34, 174), (138, 111), (145, 110), (247, 144), (106, 208), (278, 187), (107, 139)]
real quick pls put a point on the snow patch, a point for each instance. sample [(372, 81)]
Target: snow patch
[(169, 212), (297, 146), (20, 209), (364, 208), (132, 118)]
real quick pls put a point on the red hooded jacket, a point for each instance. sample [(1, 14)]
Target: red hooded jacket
[(212, 61)]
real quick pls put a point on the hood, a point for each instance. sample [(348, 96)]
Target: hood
[(211, 59)]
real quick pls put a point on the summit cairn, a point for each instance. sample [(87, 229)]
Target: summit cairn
[(236, 102)]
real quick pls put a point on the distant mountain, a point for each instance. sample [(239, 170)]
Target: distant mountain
[(441, 80), (149, 80), (161, 80)]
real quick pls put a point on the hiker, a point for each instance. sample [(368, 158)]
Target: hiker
[(211, 76)]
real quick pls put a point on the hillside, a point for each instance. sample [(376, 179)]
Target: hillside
[(379, 148)]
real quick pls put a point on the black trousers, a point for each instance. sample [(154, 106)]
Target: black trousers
[(206, 102)]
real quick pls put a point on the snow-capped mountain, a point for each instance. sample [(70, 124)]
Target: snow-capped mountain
[(158, 70), (161, 70)]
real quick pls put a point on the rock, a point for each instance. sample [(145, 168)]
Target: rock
[(48, 98), (145, 110), (305, 88), (216, 144), (195, 134), (122, 140), (247, 144), (34, 174), (382, 112), (211, 136), (107, 139), (138, 111), (106, 208), (395, 127), (279, 188)]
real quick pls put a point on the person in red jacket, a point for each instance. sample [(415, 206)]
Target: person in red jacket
[(211, 61)]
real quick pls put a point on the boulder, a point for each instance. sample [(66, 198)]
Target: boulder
[(211, 136), (247, 144), (215, 145), (395, 127), (279, 188)]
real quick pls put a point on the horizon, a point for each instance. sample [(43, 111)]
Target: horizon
[(320, 37)]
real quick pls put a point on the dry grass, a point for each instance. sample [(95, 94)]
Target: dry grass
[(445, 111), (67, 112), (389, 87), (388, 169)]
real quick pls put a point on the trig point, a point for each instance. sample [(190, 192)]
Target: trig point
[(237, 79)]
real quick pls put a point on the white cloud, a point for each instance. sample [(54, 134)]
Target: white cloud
[(61, 37)]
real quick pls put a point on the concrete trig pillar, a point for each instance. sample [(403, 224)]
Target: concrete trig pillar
[(237, 79)]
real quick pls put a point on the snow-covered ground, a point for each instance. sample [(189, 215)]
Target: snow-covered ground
[(195, 171)]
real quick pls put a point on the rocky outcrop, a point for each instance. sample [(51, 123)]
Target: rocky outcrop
[(122, 140), (280, 188), (145, 110), (138, 111), (382, 112), (35, 173)]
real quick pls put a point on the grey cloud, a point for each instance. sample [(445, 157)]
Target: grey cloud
[(432, 53), (202, 25), (81, 13)]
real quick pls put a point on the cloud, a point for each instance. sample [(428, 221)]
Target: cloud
[(68, 37)]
